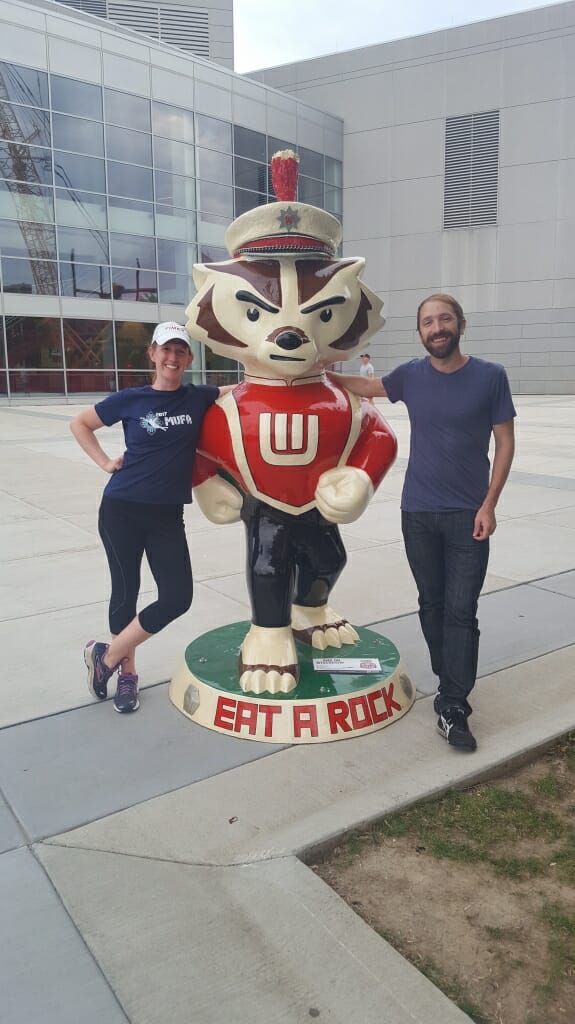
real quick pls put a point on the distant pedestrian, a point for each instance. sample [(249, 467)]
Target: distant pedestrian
[(142, 507), (455, 402), (366, 370)]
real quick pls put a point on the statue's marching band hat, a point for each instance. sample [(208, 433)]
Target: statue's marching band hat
[(284, 227)]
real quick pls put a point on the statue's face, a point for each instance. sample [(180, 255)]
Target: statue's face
[(283, 317)]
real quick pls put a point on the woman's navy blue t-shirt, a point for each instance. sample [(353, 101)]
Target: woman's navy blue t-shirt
[(161, 430)]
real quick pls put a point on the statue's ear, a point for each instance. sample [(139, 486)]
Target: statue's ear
[(199, 274)]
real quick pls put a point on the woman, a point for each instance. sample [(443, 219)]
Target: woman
[(142, 505)]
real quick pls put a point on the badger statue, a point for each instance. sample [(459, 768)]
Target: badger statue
[(288, 451)]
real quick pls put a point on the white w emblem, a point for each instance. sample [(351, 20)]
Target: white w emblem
[(288, 439)]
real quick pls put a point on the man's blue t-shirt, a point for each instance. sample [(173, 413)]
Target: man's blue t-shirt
[(161, 430), (451, 416)]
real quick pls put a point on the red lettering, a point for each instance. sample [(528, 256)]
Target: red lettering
[(246, 714), (337, 712), (225, 712), (304, 717), (377, 716), (391, 705), (355, 704), (268, 711)]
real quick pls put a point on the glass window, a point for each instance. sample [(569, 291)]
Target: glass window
[(214, 166), (84, 280), (132, 343), (33, 341), (275, 145), (175, 190), (22, 201), (27, 239), (249, 143), (334, 201), (78, 135), (213, 254), (77, 246), (213, 134), (81, 209), (174, 156), (248, 174), (133, 182), (176, 256), (88, 344), (132, 251), (244, 200), (172, 122), (132, 147), (29, 277), (24, 124), (212, 229), (131, 216), (82, 382), (36, 382), (81, 172), (216, 199), (24, 85), (175, 289), (26, 163), (333, 171), (69, 96), (130, 111), (310, 191), (172, 222), (134, 285), (310, 163)]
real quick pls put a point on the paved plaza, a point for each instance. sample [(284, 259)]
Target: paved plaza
[(154, 872)]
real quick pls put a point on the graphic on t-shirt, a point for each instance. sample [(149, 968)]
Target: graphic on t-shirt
[(152, 422)]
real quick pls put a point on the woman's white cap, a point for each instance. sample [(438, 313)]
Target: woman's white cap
[(170, 331)]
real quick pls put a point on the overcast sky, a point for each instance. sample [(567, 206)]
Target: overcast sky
[(269, 32)]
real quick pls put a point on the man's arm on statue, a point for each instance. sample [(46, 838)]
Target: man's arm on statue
[(366, 387)]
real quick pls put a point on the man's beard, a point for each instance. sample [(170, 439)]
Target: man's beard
[(448, 346)]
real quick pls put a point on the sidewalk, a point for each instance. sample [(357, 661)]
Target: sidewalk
[(154, 872)]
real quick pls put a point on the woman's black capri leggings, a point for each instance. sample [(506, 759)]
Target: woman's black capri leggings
[(130, 529)]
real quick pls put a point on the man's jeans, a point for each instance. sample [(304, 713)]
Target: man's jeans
[(449, 568)]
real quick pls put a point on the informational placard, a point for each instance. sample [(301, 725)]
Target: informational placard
[(357, 666)]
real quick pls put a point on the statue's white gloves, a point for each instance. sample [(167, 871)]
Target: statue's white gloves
[(342, 494), (219, 500)]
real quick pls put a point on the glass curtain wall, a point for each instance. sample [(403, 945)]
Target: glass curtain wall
[(104, 194)]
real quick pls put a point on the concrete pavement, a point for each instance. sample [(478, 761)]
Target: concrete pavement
[(153, 871)]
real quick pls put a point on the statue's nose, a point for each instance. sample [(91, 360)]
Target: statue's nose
[(288, 340)]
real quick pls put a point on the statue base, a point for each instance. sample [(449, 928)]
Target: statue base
[(325, 705)]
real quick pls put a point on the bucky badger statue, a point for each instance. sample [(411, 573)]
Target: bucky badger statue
[(288, 451)]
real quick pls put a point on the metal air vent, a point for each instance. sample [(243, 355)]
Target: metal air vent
[(471, 170)]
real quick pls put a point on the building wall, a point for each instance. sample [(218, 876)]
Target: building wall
[(203, 27), (516, 278), (122, 162)]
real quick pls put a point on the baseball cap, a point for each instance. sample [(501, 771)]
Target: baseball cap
[(170, 331)]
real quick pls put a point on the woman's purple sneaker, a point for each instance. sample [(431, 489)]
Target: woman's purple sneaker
[(126, 698), (98, 672)]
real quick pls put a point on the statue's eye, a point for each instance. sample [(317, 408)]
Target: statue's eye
[(326, 315), (253, 314)]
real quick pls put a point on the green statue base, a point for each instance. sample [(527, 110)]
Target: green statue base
[(348, 692)]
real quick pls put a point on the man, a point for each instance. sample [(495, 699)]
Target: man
[(455, 402), (366, 370)]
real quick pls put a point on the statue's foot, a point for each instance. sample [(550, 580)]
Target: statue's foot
[(321, 627), (268, 660)]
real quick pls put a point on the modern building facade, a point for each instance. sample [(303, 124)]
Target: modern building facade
[(123, 159), (459, 174), (122, 162)]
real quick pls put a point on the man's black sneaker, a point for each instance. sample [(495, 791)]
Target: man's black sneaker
[(436, 706), (99, 674), (126, 698), (452, 724)]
